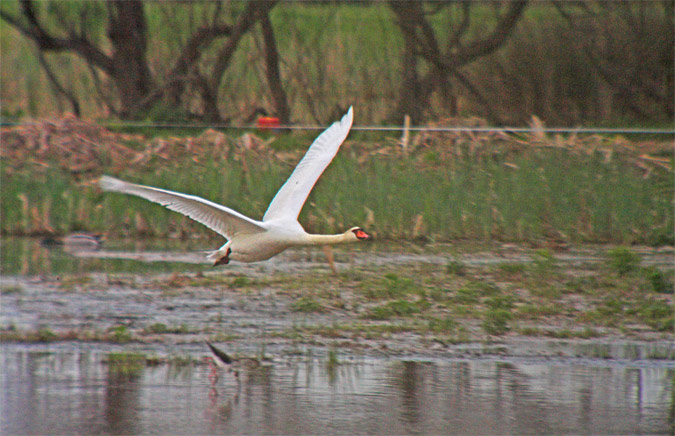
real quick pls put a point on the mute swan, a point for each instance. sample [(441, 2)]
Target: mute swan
[(250, 240)]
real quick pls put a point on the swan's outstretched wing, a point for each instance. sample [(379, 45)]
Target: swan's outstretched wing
[(291, 197), (218, 218)]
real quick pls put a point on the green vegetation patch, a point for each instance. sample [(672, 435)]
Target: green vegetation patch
[(161, 328), (496, 321), (390, 286), (308, 304), (623, 260), (393, 309), (120, 334)]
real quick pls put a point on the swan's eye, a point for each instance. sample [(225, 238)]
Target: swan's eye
[(361, 234)]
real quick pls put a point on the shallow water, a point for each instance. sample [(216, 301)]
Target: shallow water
[(519, 386), (76, 392), (29, 257)]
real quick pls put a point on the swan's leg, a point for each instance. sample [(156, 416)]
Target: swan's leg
[(328, 251)]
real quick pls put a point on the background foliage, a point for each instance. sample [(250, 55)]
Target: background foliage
[(569, 63)]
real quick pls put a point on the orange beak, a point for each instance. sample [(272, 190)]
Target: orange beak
[(362, 235)]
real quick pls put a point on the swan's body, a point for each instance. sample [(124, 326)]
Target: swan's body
[(250, 240)]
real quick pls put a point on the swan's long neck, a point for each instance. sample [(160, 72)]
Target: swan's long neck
[(329, 239)]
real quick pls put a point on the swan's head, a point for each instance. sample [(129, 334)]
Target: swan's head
[(359, 233)]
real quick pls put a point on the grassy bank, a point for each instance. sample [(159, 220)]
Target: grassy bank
[(544, 194)]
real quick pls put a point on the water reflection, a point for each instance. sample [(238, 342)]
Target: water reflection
[(77, 393), (122, 402), (30, 257)]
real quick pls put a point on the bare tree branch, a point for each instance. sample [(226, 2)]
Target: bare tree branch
[(34, 31), (104, 96), (191, 54), (622, 59), (492, 42), (57, 86), (477, 94), (456, 38), (444, 64), (244, 23)]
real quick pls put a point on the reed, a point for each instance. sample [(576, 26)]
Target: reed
[(537, 197)]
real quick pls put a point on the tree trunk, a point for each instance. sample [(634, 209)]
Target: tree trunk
[(130, 71), (444, 63), (279, 99), (411, 96), (254, 9)]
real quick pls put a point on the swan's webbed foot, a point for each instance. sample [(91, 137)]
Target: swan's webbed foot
[(225, 259)]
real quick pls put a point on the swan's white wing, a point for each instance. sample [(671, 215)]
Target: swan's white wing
[(218, 218), (291, 197)]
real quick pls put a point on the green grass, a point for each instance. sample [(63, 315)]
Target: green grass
[(10, 289), (126, 364), (161, 328), (308, 305), (623, 260), (512, 267), (497, 317), (658, 314), (391, 286), (442, 325), (466, 296), (584, 198), (578, 299), (396, 308), (455, 268), (496, 321), (45, 334), (659, 280), (74, 282), (119, 334)]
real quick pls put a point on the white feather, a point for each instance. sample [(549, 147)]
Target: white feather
[(292, 196), (220, 219)]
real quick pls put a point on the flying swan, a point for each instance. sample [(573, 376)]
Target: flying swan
[(249, 240)]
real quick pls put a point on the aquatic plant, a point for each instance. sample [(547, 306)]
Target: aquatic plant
[(496, 321), (307, 304), (623, 260), (455, 267), (119, 334)]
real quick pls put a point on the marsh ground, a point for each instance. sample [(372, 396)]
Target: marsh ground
[(385, 299)]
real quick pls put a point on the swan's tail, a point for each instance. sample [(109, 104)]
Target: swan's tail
[(108, 183), (213, 255)]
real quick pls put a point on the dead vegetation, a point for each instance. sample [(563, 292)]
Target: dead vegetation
[(84, 147), (450, 146)]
